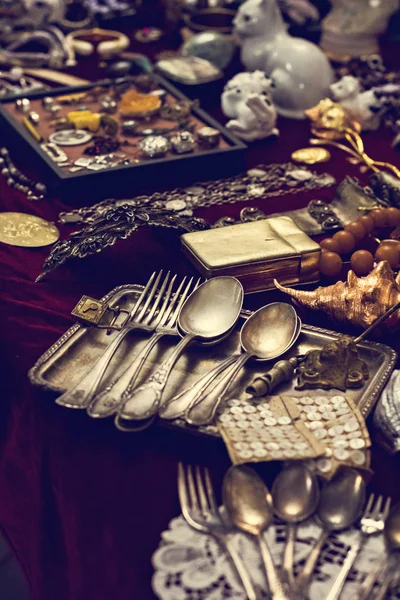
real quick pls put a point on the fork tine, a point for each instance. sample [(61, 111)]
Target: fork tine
[(192, 490), (182, 490), (377, 508), (149, 298), (371, 499), (201, 492), (174, 300), (143, 294), (386, 510), (157, 301), (165, 305), (210, 493), (174, 317)]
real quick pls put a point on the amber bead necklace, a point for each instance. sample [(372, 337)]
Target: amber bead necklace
[(345, 242)]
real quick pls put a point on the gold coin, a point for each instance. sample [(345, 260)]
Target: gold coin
[(310, 156), (19, 229)]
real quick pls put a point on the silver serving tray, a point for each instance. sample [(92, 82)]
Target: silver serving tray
[(73, 353)]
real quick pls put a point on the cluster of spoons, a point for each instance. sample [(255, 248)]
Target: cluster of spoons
[(296, 497)]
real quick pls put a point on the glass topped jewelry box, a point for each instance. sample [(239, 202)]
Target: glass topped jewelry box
[(85, 144)]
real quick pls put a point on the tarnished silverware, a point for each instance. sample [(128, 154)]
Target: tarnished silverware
[(200, 511), (341, 503), (249, 505), (81, 394), (207, 315), (372, 522), (267, 334), (295, 494), (107, 402), (392, 537)]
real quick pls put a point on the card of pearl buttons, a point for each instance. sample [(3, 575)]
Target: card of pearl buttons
[(336, 421), (266, 431)]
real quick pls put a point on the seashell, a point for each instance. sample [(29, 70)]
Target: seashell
[(358, 301)]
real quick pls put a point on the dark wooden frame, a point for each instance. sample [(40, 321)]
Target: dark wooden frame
[(124, 180)]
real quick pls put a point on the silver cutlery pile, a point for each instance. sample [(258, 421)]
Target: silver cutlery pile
[(250, 507), (203, 313)]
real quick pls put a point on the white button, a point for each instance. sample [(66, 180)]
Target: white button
[(249, 409), (270, 421), (234, 402), (236, 410), (336, 430), (351, 426), (343, 410), (306, 400), (321, 400), (324, 465), (341, 453), (314, 416), (245, 454), (284, 420), (357, 444), (320, 434), (329, 415), (256, 445), (308, 409), (272, 446), (315, 425), (338, 399), (260, 452), (241, 446), (340, 443), (358, 457)]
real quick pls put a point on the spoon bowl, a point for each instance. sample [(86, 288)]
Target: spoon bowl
[(295, 494), (269, 331), (249, 505), (340, 505), (212, 309)]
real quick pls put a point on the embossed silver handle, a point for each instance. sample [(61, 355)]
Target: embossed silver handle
[(203, 411), (240, 568), (144, 401), (107, 402), (340, 580), (81, 394), (303, 580), (275, 584), (288, 555), (178, 405)]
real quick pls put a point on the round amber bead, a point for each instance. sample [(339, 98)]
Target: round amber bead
[(345, 240), (330, 264), (362, 262)]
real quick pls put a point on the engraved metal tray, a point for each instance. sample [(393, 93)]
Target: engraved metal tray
[(72, 355)]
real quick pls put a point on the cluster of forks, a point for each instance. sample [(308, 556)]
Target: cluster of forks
[(201, 512), (155, 311)]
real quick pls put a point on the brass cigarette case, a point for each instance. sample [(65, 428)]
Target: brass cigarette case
[(256, 253)]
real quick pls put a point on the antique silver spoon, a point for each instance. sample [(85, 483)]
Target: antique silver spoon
[(295, 494), (249, 505), (207, 315), (341, 503), (267, 334)]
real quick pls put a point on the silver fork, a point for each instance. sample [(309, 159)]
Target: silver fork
[(108, 401), (372, 522), (200, 511), (81, 394)]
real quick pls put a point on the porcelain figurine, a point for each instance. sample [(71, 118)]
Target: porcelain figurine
[(246, 100), (353, 26), (300, 70), (364, 107)]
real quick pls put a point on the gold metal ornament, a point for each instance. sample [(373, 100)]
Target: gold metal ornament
[(135, 104), (331, 122), (358, 301), (336, 365), (19, 229), (311, 156)]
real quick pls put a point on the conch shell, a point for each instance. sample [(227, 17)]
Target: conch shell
[(358, 301)]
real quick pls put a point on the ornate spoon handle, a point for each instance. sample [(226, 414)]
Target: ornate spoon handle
[(203, 411), (106, 403), (81, 394), (340, 580), (276, 587), (303, 581), (176, 406), (287, 565), (145, 400)]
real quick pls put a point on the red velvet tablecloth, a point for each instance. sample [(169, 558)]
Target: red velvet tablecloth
[(82, 504)]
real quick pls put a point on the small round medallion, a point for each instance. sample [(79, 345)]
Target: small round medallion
[(18, 229), (70, 137)]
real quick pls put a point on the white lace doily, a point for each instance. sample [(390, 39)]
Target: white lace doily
[(190, 565)]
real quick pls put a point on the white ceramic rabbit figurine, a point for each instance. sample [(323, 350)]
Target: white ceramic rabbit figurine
[(301, 72), (246, 99), (365, 107)]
